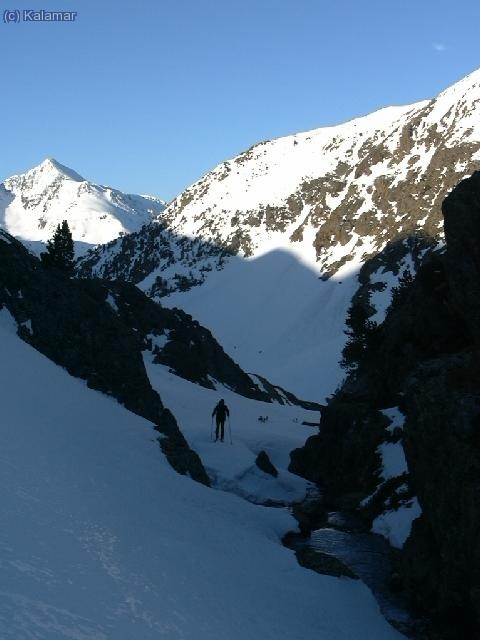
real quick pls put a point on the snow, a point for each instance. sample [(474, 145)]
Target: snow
[(394, 463), (112, 302), (381, 300), (159, 341), (101, 539), (275, 317), (7, 322), (395, 526), (396, 418), (393, 459), (232, 467)]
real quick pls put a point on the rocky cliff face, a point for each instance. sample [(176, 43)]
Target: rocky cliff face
[(441, 559), (426, 363)]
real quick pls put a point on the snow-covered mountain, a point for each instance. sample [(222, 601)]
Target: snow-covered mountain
[(33, 203), (280, 232)]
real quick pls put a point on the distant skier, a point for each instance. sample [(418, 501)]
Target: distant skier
[(221, 412)]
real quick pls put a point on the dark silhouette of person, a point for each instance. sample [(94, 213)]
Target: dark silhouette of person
[(221, 412)]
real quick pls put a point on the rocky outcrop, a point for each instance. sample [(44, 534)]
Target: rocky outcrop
[(342, 457), (426, 361), (264, 463), (73, 323), (323, 563), (282, 396)]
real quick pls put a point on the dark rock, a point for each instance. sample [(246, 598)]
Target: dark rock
[(442, 442), (310, 515), (323, 563), (282, 396), (342, 458), (264, 463), (190, 350), (461, 210)]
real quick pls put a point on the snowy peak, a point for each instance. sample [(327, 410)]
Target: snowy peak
[(53, 169), (33, 203)]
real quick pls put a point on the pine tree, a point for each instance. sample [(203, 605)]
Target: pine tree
[(400, 292), (363, 335), (60, 249)]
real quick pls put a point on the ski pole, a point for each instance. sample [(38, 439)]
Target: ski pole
[(211, 431), (230, 429)]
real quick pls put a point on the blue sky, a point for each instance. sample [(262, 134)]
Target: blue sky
[(148, 95)]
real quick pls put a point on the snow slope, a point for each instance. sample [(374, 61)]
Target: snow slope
[(100, 539), (275, 317), (32, 204)]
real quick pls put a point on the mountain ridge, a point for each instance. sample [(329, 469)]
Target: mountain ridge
[(331, 215)]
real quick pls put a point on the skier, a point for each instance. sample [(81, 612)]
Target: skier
[(221, 412)]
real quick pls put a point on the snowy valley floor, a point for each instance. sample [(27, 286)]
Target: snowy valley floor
[(100, 539), (275, 317)]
